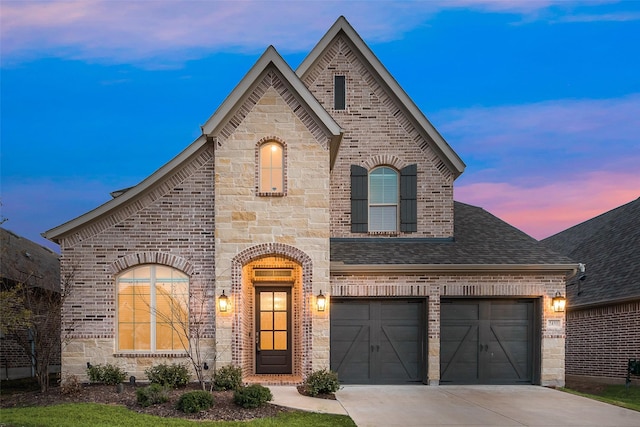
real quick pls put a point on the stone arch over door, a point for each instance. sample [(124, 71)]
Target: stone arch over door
[(242, 289)]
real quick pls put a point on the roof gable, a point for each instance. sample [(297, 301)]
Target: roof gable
[(233, 108), (342, 28)]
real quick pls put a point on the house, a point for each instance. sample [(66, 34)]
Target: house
[(23, 262), (603, 303), (312, 225)]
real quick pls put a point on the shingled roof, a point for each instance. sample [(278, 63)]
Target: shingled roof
[(24, 261), (609, 246), (481, 241)]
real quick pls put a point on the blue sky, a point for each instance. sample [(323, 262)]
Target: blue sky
[(541, 99)]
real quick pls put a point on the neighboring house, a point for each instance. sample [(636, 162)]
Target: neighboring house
[(326, 184), (23, 262), (603, 303)]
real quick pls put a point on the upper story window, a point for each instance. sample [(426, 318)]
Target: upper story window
[(383, 199), (271, 179), (153, 309), (339, 93)]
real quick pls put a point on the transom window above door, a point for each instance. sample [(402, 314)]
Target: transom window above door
[(271, 171)]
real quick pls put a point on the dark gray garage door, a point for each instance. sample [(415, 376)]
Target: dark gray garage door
[(378, 341), (488, 342)]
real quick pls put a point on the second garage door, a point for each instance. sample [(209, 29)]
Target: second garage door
[(489, 341), (378, 341)]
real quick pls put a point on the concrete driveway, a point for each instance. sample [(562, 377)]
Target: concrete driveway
[(478, 406)]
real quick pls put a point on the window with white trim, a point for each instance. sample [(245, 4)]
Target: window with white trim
[(271, 167), (153, 309), (383, 199)]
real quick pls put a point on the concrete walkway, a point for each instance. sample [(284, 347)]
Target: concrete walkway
[(462, 406)]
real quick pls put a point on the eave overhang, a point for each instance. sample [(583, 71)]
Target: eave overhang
[(341, 268), (55, 234), (450, 157)]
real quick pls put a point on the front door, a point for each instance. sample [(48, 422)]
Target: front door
[(273, 330)]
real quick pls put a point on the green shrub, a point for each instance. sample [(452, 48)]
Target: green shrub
[(152, 395), (227, 378), (252, 396), (108, 374), (174, 375), (195, 401), (321, 382)]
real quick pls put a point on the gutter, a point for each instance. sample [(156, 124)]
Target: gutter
[(340, 267)]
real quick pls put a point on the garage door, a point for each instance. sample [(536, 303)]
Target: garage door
[(488, 342), (378, 341)]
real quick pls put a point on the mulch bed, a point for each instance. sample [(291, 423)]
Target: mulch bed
[(224, 409)]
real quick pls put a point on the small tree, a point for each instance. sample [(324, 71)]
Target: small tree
[(31, 316)]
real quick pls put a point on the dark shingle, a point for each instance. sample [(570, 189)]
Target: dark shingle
[(479, 238), (609, 246)]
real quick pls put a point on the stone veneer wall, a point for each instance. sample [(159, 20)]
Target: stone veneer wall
[(377, 132), (171, 224), (251, 226), (601, 340), (436, 286)]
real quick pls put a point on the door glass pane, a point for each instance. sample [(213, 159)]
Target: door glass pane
[(266, 301), (280, 301), (280, 321), (266, 320), (280, 341), (266, 340)]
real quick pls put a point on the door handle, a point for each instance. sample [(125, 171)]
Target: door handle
[(372, 347), (484, 347)]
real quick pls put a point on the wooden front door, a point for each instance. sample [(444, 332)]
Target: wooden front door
[(273, 330)]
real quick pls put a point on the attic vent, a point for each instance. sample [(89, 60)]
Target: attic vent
[(272, 274)]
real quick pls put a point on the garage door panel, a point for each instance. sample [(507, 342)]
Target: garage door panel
[(392, 351), (494, 348)]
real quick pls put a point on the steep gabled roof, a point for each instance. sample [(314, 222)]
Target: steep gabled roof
[(271, 58), (341, 26), (482, 242), (609, 246)]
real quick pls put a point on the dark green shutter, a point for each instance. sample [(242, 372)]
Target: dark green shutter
[(408, 199), (359, 199)]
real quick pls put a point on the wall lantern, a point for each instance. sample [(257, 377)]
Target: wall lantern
[(223, 302), (558, 302), (321, 302)]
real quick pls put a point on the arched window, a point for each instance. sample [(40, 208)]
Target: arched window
[(153, 309), (271, 167), (383, 199)]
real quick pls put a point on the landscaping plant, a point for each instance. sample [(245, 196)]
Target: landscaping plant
[(321, 382), (173, 375), (227, 378), (252, 396), (195, 401)]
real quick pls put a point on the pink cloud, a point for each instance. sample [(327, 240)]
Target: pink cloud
[(547, 209)]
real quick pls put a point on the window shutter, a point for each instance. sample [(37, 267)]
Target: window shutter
[(359, 202), (408, 199)]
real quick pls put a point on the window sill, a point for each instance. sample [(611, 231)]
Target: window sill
[(149, 354), (265, 194), (384, 233)]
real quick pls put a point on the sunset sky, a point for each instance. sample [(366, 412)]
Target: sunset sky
[(541, 99)]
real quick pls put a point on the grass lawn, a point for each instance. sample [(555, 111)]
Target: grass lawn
[(97, 415), (617, 395)]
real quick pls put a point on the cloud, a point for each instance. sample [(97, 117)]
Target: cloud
[(547, 139), (170, 31), (545, 210)]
